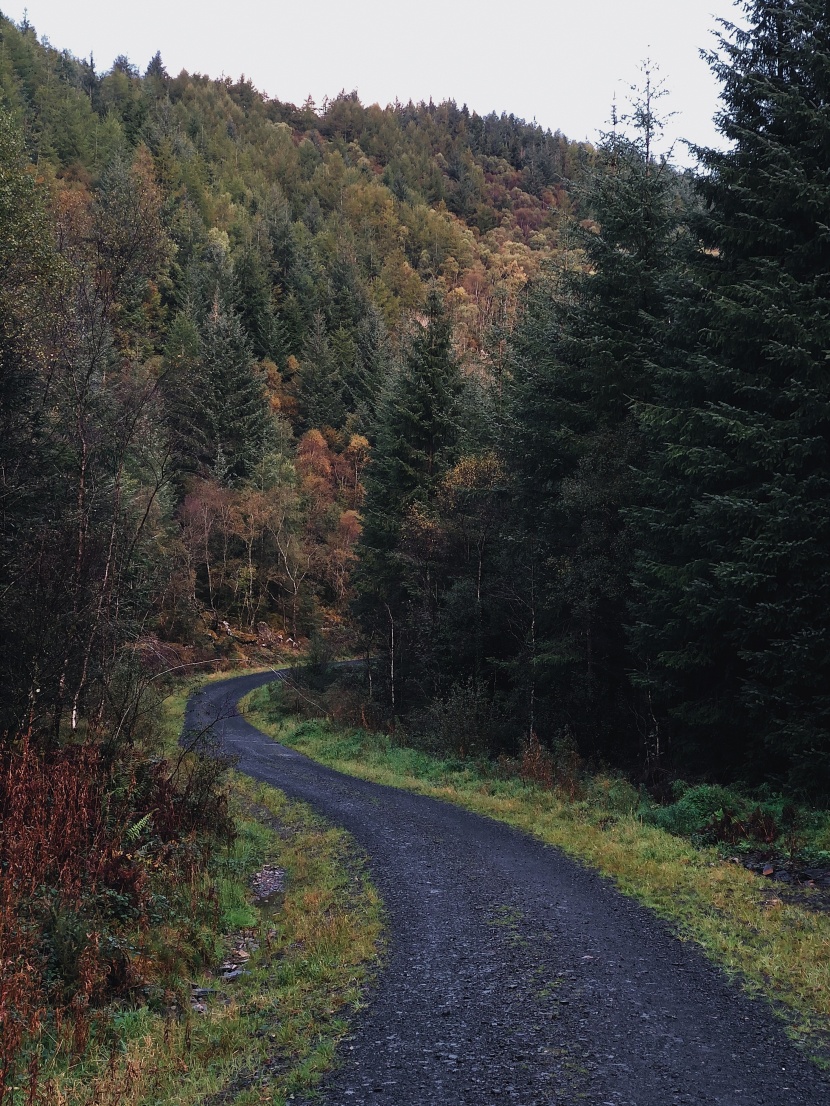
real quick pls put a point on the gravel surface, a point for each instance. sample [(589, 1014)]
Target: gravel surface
[(514, 975)]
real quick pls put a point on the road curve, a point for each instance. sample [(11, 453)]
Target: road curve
[(514, 975)]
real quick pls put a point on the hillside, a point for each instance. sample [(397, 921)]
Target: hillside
[(300, 246), (539, 429)]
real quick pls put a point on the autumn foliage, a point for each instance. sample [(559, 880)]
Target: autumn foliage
[(85, 840)]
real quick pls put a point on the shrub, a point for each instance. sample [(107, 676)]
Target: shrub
[(86, 832), (613, 795), (536, 765), (694, 811)]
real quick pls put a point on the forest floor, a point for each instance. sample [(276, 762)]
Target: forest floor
[(514, 973)]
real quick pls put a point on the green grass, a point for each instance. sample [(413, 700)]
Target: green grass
[(775, 948), (272, 1032)]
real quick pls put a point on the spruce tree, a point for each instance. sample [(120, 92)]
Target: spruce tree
[(253, 301), (365, 380), (734, 583), (221, 395), (583, 355), (320, 391), (417, 429), (416, 436)]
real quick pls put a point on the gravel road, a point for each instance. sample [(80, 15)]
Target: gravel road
[(514, 975)]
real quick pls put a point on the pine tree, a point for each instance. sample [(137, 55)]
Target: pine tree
[(732, 625)]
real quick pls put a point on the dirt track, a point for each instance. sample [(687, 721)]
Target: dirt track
[(514, 975)]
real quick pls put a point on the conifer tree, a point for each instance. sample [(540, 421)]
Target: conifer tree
[(219, 404), (184, 394), (320, 391), (253, 302), (372, 361), (417, 429), (29, 267), (416, 436), (583, 355), (734, 582)]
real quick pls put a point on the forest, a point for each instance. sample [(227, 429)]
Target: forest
[(539, 428)]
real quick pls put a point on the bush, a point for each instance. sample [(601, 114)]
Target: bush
[(694, 812), (87, 832), (463, 722), (613, 795)]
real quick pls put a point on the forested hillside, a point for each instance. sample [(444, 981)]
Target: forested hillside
[(542, 425), (206, 300), (539, 427), (241, 275)]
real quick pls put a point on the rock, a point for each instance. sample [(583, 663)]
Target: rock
[(268, 881)]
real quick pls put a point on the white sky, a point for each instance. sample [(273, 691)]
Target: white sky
[(560, 61)]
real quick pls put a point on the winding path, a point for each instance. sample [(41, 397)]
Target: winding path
[(514, 975)]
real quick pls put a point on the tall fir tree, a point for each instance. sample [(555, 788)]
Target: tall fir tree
[(417, 429), (584, 353), (228, 409), (370, 368), (416, 436), (253, 301), (320, 391), (734, 582)]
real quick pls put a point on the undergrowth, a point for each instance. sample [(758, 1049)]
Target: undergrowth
[(773, 946), (95, 1016), (105, 850), (271, 1032)]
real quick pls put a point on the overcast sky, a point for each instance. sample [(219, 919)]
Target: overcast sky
[(560, 61)]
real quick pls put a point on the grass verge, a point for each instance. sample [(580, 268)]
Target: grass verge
[(306, 954), (774, 948)]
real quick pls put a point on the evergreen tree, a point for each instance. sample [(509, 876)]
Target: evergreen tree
[(417, 430), (416, 439), (583, 354), (365, 381), (734, 581), (253, 302), (29, 268), (184, 395), (345, 301), (320, 391), (229, 402), (155, 68)]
